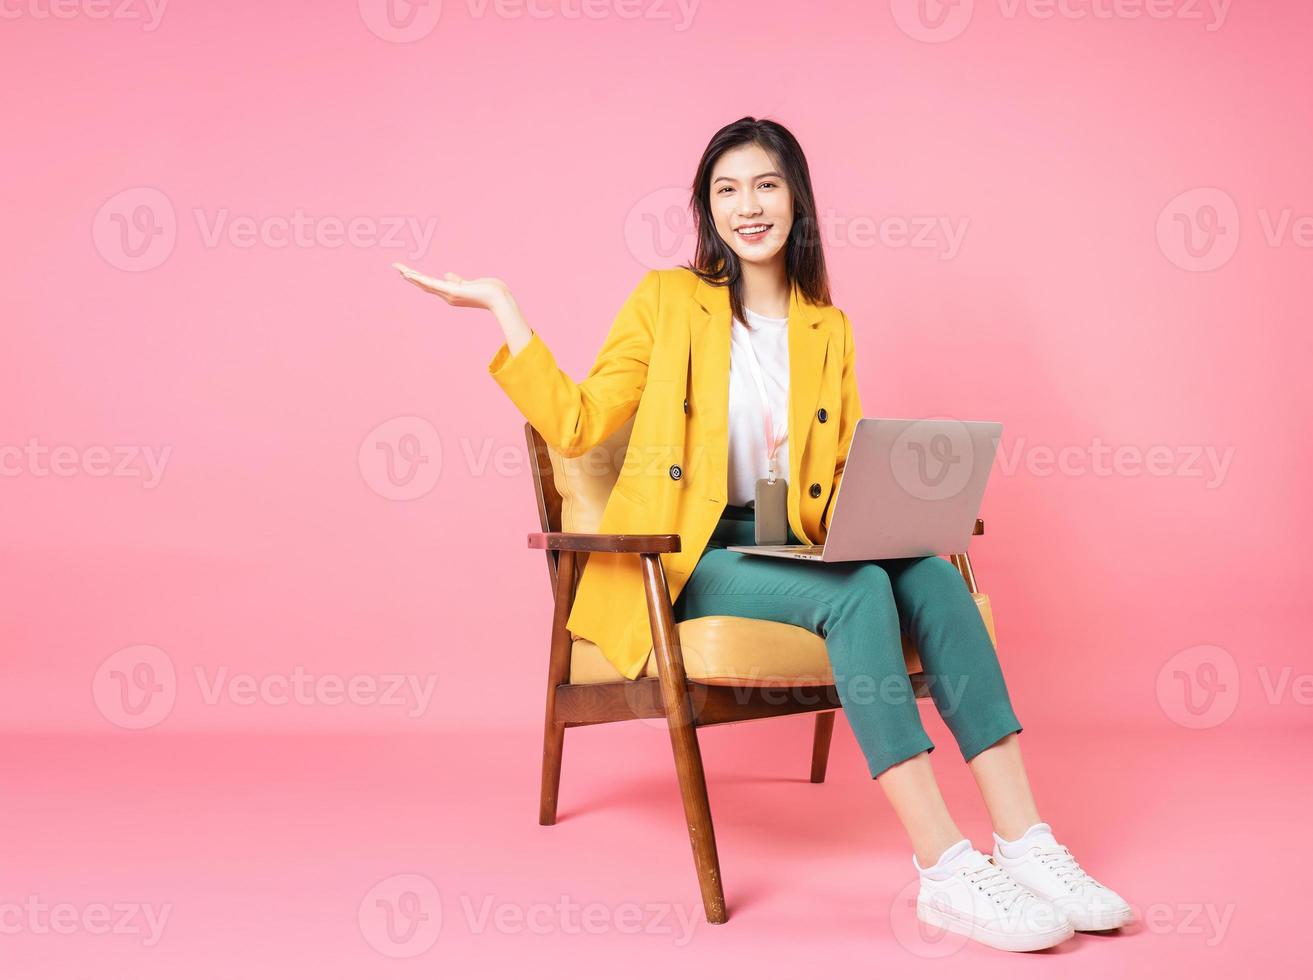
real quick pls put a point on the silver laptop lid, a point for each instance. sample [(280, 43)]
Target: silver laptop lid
[(911, 487)]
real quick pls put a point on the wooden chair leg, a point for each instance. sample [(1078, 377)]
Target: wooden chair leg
[(553, 749), (821, 745), (684, 739), (558, 669)]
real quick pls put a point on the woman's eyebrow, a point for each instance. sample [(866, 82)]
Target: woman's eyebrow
[(768, 173)]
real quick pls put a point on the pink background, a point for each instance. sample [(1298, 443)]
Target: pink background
[(1072, 154)]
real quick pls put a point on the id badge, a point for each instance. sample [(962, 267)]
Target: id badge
[(771, 507)]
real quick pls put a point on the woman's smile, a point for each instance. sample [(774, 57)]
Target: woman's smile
[(753, 233)]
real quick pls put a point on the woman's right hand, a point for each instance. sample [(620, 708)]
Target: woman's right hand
[(486, 293)]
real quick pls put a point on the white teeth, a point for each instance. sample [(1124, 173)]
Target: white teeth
[(753, 229)]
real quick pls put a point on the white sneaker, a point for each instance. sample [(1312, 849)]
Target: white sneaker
[(1048, 869), (967, 893)]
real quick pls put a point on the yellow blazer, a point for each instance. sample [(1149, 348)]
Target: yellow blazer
[(667, 357)]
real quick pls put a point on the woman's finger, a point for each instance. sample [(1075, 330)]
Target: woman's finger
[(439, 286), (410, 273), (445, 290), (454, 288)]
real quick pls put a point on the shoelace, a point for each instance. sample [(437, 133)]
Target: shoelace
[(996, 883), (1060, 861)]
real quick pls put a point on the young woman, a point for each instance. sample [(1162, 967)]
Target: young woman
[(725, 363)]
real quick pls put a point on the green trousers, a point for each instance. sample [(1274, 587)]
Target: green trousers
[(862, 609)]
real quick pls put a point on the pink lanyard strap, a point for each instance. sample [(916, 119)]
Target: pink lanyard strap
[(773, 439)]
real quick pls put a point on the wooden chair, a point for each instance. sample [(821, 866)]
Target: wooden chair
[(699, 673)]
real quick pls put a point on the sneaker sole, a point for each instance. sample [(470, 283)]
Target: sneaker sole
[(1011, 942), (1101, 922)]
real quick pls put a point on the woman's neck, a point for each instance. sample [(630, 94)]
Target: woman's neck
[(766, 289)]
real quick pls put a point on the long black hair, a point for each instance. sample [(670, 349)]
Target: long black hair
[(804, 260)]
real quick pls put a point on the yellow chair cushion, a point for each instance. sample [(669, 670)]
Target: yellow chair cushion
[(742, 652)]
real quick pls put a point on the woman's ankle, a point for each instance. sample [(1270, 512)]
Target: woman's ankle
[(929, 850)]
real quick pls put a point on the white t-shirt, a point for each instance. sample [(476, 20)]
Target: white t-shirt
[(769, 337)]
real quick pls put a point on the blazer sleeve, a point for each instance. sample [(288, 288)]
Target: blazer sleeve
[(574, 417), (850, 410)]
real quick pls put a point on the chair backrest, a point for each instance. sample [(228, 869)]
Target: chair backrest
[(572, 492)]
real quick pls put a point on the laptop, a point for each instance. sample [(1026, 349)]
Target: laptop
[(911, 488)]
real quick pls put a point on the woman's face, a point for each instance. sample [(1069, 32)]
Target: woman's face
[(747, 193)]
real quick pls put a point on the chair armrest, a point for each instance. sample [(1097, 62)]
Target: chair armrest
[(663, 544), (980, 526), (647, 544)]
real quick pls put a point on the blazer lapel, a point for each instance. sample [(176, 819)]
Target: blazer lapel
[(709, 330), (807, 343)]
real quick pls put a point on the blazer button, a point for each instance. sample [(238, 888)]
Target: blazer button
[(822, 415), (814, 490), (685, 406), (676, 473)]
